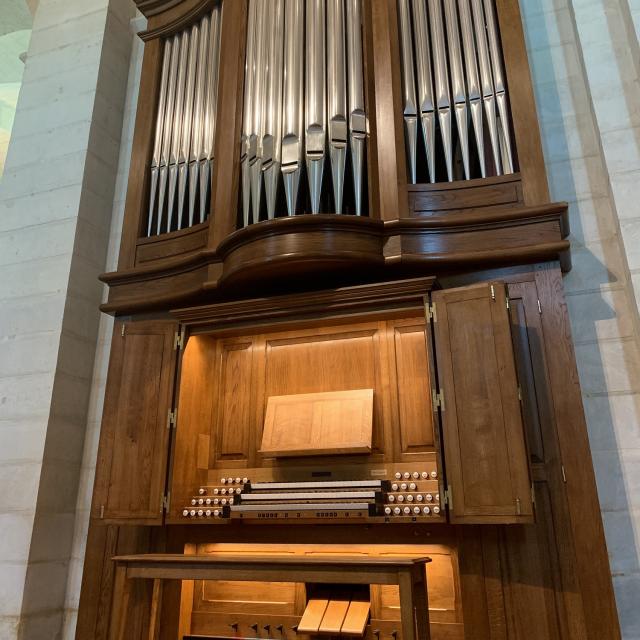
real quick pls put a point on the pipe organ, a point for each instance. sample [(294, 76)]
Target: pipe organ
[(454, 90), (182, 159), (341, 356), (304, 108)]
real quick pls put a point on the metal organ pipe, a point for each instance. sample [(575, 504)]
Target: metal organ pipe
[(452, 63), (304, 105), (185, 127)]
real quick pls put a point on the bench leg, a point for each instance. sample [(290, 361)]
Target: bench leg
[(420, 602), (120, 606), (156, 606), (407, 614)]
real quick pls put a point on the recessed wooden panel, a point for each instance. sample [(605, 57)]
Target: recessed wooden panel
[(311, 424), (227, 596), (320, 360), (485, 451), (413, 389), (234, 404), (134, 442)]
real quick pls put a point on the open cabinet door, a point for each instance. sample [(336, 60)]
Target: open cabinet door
[(485, 453), (134, 440)]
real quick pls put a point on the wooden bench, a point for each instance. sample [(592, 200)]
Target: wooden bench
[(408, 573)]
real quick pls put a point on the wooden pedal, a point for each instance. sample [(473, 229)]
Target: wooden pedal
[(355, 622), (312, 616), (334, 617)]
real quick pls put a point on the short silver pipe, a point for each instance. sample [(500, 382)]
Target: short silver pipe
[(337, 97), (473, 80), (248, 134), (409, 108), (293, 98), (210, 111), (459, 92), (356, 106), (271, 142), (500, 84), (176, 138), (486, 81), (185, 141), (315, 103), (442, 91), (424, 75), (165, 156), (157, 146)]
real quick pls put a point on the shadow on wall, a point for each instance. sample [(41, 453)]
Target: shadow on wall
[(577, 174)]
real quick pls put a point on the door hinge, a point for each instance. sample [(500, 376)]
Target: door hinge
[(564, 475), (518, 507), (101, 512), (171, 418), (178, 340), (122, 330), (493, 292), (165, 502), (507, 300), (539, 307), (520, 394), (438, 400), (430, 311), (448, 498)]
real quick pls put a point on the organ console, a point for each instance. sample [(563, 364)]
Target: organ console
[(340, 334)]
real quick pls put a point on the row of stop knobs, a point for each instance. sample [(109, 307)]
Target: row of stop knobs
[(412, 511)]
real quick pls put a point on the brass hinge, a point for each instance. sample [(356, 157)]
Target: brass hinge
[(171, 419), (493, 292), (438, 400), (564, 475), (539, 307), (101, 512), (507, 299), (520, 393), (164, 503), (122, 330), (178, 340), (518, 507), (448, 498), (430, 311)]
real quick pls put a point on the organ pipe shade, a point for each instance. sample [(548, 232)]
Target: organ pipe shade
[(304, 120), (182, 159), (454, 95)]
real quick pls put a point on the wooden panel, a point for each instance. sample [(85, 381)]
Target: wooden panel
[(468, 194), (356, 619), (311, 424), (413, 387), (336, 359), (234, 401), (190, 459), (173, 244), (485, 451), (227, 596), (133, 453), (312, 616)]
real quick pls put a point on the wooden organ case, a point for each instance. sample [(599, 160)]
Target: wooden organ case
[(340, 332)]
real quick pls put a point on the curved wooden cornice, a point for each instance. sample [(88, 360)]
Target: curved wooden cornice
[(319, 248), (169, 16)]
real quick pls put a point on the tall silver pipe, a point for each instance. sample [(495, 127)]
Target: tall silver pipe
[(337, 97), (165, 155), (157, 147), (459, 93), (410, 109), (197, 128), (473, 80), (357, 113), (176, 139), (248, 137), (210, 111), (259, 103), (292, 144), (486, 79), (442, 94), (315, 120), (424, 74), (499, 83), (271, 142), (183, 156)]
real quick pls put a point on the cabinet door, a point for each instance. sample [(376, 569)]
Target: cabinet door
[(132, 459), (485, 454)]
